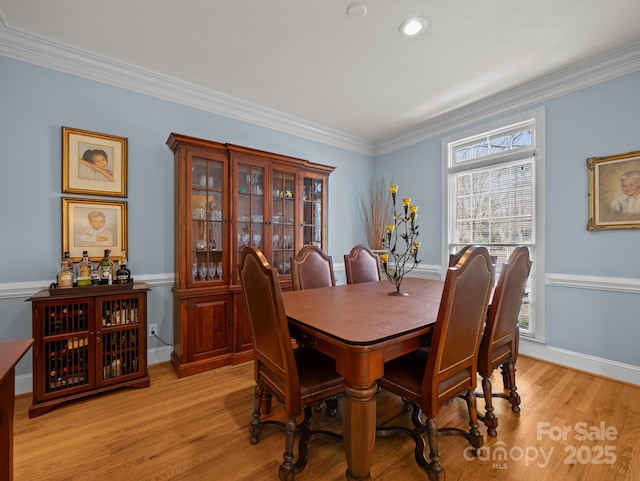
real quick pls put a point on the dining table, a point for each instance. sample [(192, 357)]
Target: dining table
[(361, 326)]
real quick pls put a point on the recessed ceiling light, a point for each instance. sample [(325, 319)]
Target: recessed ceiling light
[(414, 26), (356, 11)]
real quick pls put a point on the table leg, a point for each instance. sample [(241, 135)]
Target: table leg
[(359, 425)]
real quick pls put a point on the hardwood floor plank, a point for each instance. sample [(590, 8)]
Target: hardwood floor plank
[(195, 428)]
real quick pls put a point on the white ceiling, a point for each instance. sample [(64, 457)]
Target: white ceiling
[(310, 61)]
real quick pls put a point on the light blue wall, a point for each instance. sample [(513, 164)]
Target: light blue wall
[(416, 171), (597, 121), (36, 102)]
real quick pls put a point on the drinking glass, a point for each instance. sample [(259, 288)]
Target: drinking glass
[(212, 270), (219, 270), (194, 271), (202, 269)]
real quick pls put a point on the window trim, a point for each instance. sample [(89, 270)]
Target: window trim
[(538, 151)]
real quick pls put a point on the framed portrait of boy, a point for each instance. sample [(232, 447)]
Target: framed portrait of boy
[(93, 226), (93, 163), (614, 192)]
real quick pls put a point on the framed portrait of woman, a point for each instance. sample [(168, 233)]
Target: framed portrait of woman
[(614, 192), (93, 226), (93, 163)]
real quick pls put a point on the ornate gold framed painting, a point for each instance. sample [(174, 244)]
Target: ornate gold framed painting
[(93, 163), (614, 192), (93, 226)]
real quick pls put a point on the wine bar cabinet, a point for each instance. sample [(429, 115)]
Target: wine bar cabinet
[(227, 197), (87, 340)]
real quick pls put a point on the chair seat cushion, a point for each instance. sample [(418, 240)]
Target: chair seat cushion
[(404, 375), (317, 373)]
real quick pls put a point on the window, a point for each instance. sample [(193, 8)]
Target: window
[(491, 181)]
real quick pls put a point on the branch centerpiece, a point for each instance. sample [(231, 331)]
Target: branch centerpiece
[(400, 243)]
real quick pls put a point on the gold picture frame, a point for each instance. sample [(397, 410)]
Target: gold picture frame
[(614, 191), (93, 225), (93, 163)]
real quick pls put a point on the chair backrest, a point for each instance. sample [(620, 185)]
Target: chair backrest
[(274, 361), (361, 265), (312, 268), (500, 338), (452, 362), (455, 258)]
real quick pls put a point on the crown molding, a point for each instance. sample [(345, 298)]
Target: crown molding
[(24, 46), (37, 50), (527, 95)]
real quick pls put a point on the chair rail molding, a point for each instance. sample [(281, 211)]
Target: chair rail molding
[(17, 290), (615, 284)]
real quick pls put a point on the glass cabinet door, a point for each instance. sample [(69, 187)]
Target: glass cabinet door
[(250, 224), (312, 211), (206, 220), (283, 221)]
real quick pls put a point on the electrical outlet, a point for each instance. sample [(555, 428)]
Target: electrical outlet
[(153, 328)]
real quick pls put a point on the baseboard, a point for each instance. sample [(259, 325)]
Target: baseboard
[(156, 355), (583, 362)]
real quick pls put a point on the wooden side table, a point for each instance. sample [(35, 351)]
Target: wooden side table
[(10, 353)]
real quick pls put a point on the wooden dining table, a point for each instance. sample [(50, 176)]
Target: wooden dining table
[(361, 326)]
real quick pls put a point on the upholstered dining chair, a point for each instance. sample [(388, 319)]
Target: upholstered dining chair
[(428, 377), (299, 378), (455, 258), (312, 268), (361, 265), (499, 346)]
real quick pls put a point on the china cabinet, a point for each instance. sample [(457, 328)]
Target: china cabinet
[(87, 340), (226, 197)]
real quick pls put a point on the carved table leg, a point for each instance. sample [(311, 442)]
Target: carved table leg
[(359, 424)]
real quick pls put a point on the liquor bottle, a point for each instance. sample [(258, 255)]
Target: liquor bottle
[(84, 269), (65, 275), (106, 274), (95, 276), (123, 274)]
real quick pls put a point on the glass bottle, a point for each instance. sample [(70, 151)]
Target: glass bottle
[(95, 276), (123, 274), (84, 270), (65, 275), (106, 266)]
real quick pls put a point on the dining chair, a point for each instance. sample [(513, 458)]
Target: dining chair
[(299, 378), (499, 346), (455, 258), (361, 265), (312, 268), (429, 377)]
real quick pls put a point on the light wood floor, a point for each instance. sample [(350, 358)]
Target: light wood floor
[(195, 428)]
